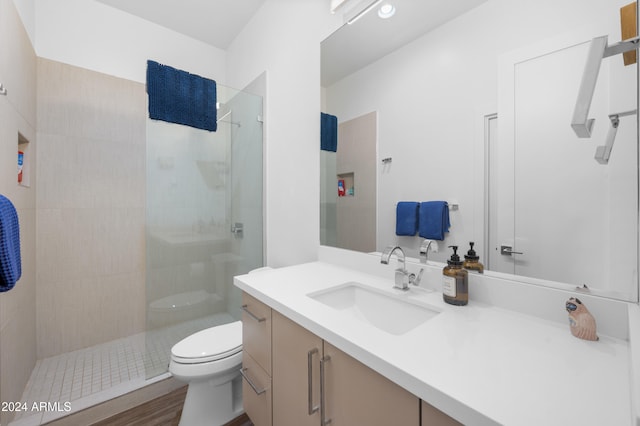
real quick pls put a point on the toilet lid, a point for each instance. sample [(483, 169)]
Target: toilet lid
[(210, 344)]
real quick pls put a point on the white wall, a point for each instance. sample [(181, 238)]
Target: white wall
[(284, 38), (91, 35), (27, 11)]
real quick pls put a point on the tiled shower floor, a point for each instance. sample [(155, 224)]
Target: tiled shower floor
[(73, 381)]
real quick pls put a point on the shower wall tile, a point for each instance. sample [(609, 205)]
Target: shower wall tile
[(86, 173), (78, 102), (17, 115), (60, 304), (17, 338), (13, 124), (18, 317), (76, 243), (78, 313), (13, 303), (91, 208), (124, 296)]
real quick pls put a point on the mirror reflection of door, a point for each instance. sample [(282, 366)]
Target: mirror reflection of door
[(580, 206), (494, 260), (556, 172)]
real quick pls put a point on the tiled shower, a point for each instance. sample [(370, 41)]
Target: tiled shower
[(134, 249)]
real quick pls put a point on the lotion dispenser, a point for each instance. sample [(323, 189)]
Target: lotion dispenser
[(455, 284), (471, 260)]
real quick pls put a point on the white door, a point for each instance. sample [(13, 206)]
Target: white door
[(550, 201)]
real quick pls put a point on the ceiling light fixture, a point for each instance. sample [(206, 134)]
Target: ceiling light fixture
[(386, 11), (336, 4), (363, 12)]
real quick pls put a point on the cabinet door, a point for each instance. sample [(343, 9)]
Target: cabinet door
[(431, 416), (357, 395), (256, 392), (256, 330), (293, 391)]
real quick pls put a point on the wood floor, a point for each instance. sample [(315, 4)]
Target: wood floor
[(162, 411)]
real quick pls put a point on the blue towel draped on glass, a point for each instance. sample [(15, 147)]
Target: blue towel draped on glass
[(10, 262), (328, 132), (434, 220), (407, 218), (177, 96)]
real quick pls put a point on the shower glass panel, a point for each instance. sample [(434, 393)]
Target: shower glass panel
[(204, 222)]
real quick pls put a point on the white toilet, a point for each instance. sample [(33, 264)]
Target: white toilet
[(209, 361)]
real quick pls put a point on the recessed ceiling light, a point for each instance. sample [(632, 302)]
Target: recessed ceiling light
[(387, 10)]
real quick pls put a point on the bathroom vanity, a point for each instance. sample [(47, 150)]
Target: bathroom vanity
[(332, 340)]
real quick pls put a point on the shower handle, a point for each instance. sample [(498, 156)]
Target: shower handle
[(237, 229)]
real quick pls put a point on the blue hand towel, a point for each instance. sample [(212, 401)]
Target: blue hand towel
[(10, 263), (177, 96), (407, 218), (328, 132), (434, 220)]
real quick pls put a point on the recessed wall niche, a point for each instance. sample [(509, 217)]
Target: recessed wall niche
[(23, 161), (346, 185)]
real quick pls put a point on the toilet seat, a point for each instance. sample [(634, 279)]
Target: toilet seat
[(211, 344)]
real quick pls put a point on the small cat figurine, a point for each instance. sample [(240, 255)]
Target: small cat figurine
[(581, 322)]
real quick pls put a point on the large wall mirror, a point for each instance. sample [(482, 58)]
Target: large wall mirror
[(472, 104)]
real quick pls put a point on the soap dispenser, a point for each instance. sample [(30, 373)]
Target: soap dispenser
[(471, 260), (455, 284)]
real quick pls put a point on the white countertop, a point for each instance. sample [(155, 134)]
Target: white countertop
[(478, 363)]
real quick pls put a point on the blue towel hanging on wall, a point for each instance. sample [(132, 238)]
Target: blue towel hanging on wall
[(10, 262), (407, 218), (328, 132), (177, 96), (434, 220)]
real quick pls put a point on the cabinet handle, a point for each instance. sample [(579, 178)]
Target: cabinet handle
[(253, 386), (323, 402), (310, 406), (252, 315)]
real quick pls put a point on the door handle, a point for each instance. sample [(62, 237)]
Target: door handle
[(508, 251)]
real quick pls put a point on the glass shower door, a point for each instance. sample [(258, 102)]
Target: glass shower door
[(246, 194), (204, 222)]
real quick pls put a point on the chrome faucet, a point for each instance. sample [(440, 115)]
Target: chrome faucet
[(402, 278), (424, 250)]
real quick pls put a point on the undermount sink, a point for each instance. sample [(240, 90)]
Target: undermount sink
[(385, 311)]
